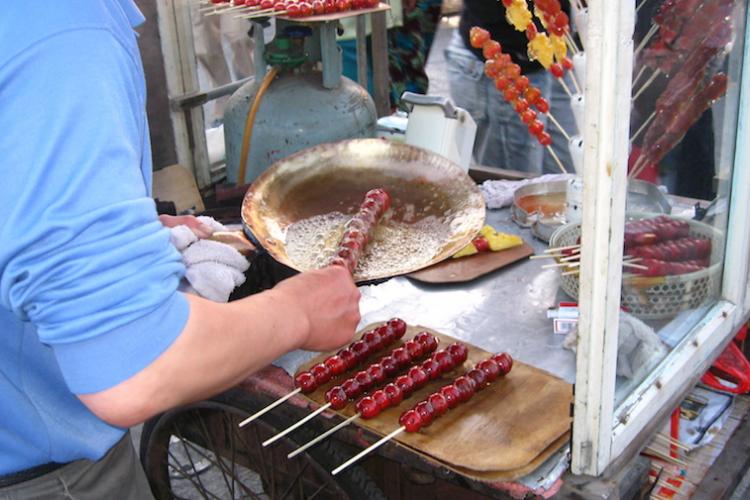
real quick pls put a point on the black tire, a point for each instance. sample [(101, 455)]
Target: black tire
[(179, 446)]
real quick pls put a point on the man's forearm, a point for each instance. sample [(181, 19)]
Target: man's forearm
[(220, 345)]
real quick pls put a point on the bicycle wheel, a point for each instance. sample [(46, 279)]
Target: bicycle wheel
[(199, 451)]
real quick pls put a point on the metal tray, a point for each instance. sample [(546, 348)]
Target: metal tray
[(642, 197)]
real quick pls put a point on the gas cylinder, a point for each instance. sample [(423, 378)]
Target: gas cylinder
[(297, 111)]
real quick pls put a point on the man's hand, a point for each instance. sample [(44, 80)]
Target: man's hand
[(329, 303), (197, 227)]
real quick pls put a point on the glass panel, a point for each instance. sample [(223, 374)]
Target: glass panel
[(687, 67)]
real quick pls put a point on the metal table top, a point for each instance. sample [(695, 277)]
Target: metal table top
[(502, 311)]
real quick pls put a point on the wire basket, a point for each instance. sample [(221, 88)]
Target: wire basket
[(660, 297)]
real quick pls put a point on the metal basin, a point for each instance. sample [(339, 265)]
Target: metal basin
[(296, 209)]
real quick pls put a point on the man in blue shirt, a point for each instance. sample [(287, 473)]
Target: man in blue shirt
[(94, 336)]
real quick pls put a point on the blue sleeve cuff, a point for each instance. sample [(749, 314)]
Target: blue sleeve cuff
[(103, 361)]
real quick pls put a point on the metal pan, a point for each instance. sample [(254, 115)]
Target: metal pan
[(296, 209)]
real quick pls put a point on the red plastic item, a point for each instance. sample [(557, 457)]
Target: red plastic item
[(731, 366)]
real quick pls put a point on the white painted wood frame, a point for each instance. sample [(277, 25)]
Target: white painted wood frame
[(601, 433)]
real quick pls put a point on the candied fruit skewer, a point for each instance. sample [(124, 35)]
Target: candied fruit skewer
[(364, 380), (423, 413), (402, 387), (345, 359)]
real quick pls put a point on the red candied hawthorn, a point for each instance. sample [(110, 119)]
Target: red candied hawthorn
[(398, 326), (426, 413), (306, 382), (478, 37), (394, 393), (439, 403), (321, 373), (337, 397), (418, 376), (451, 395), (411, 421), (336, 365), (368, 407)]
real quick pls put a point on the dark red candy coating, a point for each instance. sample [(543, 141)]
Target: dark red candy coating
[(381, 398), (360, 349), (394, 393), (406, 384), (376, 373), (398, 326), (490, 369), (351, 388), (321, 373), (411, 421), (431, 368), (426, 412), (445, 360), (401, 357), (306, 382), (479, 378), (389, 366), (504, 362), (386, 334), (439, 403), (367, 407), (414, 348), (348, 357), (451, 395), (428, 340), (458, 352), (336, 365), (418, 376), (373, 341), (337, 397), (466, 387), (363, 379)]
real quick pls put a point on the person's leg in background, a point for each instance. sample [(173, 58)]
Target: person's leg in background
[(467, 91)]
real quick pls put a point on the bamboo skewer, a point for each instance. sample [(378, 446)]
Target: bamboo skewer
[(665, 457), (645, 85), (561, 264), (558, 249), (651, 32), (575, 82), (634, 266), (557, 124), (235, 8), (557, 159), (565, 87), (323, 436), (673, 441), (547, 256), (643, 126), (269, 407), (571, 42), (638, 76), (640, 5), (257, 13), (367, 450), (289, 429)]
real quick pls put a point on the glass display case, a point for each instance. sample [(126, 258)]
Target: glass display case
[(661, 289)]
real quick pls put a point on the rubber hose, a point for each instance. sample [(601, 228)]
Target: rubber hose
[(248, 132)]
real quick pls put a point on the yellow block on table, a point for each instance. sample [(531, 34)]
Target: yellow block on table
[(489, 240)]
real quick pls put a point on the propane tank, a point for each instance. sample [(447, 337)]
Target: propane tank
[(302, 107)]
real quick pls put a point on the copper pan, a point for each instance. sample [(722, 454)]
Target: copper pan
[(434, 201)]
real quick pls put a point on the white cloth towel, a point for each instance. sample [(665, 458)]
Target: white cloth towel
[(214, 269), (499, 194)]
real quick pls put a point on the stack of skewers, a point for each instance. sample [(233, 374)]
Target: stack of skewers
[(655, 247), (249, 9), (390, 380)]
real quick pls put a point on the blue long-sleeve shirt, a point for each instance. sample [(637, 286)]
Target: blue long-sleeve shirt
[(88, 277)]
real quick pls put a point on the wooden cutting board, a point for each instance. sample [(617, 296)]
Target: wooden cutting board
[(471, 267), (504, 428)]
